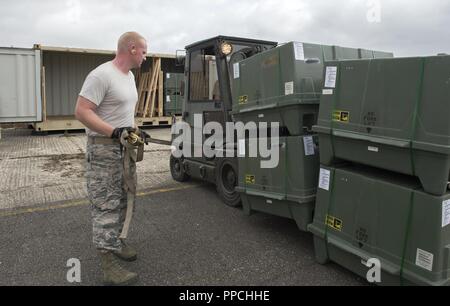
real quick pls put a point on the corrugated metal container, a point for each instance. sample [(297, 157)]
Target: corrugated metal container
[(42, 84), (66, 70), (20, 85), (64, 77)]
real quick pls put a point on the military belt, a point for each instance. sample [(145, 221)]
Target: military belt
[(102, 140)]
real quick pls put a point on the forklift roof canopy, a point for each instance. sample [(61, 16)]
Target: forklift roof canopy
[(209, 41)]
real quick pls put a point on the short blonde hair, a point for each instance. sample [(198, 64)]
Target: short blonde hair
[(127, 39)]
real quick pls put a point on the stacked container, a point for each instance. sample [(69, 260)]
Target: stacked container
[(283, 85), (387, 119), (173, 93)]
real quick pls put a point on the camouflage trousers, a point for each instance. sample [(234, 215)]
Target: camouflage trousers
[(108, 199)]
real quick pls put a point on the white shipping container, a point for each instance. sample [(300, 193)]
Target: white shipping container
[(20, 85)]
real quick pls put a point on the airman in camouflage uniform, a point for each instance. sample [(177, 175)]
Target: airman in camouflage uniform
[(106, 106)]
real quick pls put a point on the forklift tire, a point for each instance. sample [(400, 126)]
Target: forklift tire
[(226, 181), (177, 169)]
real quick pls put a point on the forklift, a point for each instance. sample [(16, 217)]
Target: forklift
[(208, 78)]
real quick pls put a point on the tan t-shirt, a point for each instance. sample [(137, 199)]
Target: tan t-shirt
[(113, 92)]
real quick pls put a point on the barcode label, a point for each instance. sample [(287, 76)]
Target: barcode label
[(236, 70), (324, 179), (289, 88), (445, 213), (308, 143), (330, 76), (424, 259), (241, 147), (299, 51)]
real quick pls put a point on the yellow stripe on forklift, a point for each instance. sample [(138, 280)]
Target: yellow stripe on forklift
[(74, 203)]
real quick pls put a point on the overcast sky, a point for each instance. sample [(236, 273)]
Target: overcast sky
[(406, 27)]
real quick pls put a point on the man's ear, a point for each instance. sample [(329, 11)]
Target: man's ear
[(133, 49)]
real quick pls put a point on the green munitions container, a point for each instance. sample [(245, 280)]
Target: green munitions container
[(173, 81), (287, 190), (173, 105), (285, 83), (173, 90), (389, 113), (364, 214)]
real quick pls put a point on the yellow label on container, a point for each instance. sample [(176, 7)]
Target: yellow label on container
[(334, 222), (271, 61), (243, 99), (249, 179), (341, 116)]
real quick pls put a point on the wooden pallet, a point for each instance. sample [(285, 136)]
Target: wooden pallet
[(150, 92), (58, 123), (154, 121)]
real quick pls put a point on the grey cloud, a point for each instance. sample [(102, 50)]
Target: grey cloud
[(408, 28)]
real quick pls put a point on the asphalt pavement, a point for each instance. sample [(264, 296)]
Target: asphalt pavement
[(184, 235)]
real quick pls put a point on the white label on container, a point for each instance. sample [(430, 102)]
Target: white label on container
[(168, 98), (236, 70), (308, 143), (372, 149), (299, 51), (330, 77), (289, 88), (445, 213), (327, 91), (269, 201), (241, 147), (324, 179), (424, 259), (261, 116), (168, 75)]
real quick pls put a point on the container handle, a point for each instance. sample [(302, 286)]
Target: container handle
[(371, 138)]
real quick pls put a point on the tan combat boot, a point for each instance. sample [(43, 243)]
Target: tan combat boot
[(113, 273), (128, 253)]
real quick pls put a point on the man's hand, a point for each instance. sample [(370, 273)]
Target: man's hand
[(143, 135), (117, 133)]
